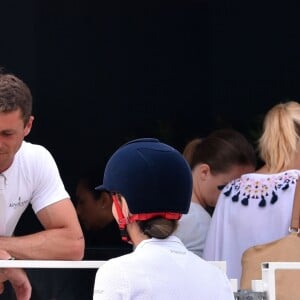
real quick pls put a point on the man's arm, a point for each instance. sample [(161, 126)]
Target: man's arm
[(61, 239)]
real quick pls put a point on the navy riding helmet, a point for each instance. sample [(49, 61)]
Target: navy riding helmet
[(152, 176)]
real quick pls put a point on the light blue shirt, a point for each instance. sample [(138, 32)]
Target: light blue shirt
[(193, 227)]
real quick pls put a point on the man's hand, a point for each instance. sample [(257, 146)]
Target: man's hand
[(17, 278), (19, 282)]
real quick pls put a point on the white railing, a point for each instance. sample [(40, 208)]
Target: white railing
[(71, 264), (82, 264), (52, 264)]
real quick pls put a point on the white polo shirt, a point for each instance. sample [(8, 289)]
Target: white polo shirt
[(34, 179), (161, 269)]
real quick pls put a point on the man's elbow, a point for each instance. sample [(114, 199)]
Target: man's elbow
[(77, 250)]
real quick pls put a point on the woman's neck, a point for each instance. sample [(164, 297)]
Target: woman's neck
[(196, 198), (265, 170), (136, 236)]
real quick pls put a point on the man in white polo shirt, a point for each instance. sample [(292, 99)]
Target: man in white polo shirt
[(29, 176)]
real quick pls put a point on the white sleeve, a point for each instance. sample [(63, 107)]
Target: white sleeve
[(48, 185)]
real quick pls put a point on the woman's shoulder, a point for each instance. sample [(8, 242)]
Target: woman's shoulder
[(271, 179)]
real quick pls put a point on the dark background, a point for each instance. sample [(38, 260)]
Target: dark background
[(104, 72)]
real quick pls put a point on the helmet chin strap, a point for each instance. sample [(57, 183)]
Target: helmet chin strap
[(122, 221), (147, 216)]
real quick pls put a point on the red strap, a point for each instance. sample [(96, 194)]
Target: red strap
[(138, 217), (121, 219), (147, 216)]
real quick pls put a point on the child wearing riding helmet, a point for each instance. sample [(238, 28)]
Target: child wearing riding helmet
[(151, 184)]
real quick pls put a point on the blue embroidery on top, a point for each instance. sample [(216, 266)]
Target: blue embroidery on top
[(265, 190)]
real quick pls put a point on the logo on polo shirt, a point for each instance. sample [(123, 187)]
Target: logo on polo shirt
[(19, 203)]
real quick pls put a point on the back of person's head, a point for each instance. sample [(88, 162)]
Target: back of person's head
[(89, 180), (155, 181), (281, 131), (189, 149), (221, 150), (14, 95), (93, 206)]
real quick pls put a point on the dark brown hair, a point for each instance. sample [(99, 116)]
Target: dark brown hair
[(14, 95), (221, 150)]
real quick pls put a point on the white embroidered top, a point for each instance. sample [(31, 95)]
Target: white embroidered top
[(254, 209)]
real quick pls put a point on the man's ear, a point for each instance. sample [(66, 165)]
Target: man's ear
[(28, 126), (203, 171)]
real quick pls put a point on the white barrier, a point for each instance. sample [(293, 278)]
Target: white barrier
[(71, 264), (82, 264), (52, 264)]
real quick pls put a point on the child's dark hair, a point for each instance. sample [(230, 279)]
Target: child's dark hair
[(221, 150)]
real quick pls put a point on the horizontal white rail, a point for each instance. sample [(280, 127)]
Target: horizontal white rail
[(52, 264), (81, 264), (70, 264)]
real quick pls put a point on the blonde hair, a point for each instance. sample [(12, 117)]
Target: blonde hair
[(278, 143)]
